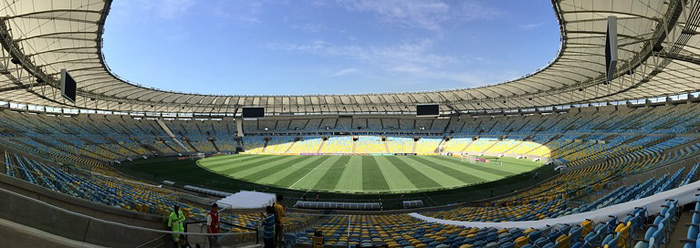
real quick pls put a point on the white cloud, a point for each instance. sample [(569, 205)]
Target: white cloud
[(402, 54), (169, 9), (164, 9), (248, 19), (311, 28), (530, 25), (407, 13), (405, 61), (420, 14), (470, 10), (344, 72), (243, 13)]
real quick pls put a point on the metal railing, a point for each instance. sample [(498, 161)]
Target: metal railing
[(80, 227)]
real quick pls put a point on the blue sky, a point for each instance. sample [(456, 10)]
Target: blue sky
[(277, 47)]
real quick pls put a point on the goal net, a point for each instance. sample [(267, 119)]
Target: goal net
[(478, 161)]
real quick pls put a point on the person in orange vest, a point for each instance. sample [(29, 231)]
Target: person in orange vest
[(213, 225)]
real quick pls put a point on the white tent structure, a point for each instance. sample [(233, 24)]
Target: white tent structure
[(247, 200)]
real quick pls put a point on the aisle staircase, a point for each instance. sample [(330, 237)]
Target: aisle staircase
[(170, 134), (320, 148), (467, 146)]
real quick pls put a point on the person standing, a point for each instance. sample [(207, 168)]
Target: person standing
[(279, 215), (176, 222), (269, 226), (213, 225)]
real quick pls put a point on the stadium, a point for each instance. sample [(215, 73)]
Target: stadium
[(599, 148)]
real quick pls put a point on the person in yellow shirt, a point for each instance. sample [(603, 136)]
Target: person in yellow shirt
[(279, 225)]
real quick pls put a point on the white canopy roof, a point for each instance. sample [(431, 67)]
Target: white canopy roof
[(248, 199), (49, 35)]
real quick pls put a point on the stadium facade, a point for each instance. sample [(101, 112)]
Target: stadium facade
[(625, 149)]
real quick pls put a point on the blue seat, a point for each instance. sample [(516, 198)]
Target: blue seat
[(549, 245), (289, 240), (613, 242), (553, 236), (535, 235), (692, 232), (508, 245), (608, 238), (541, 241), (575, 234), (641, 244), (592, 238)]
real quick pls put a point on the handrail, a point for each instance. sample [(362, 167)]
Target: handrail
[(257, 232), (101, 220)]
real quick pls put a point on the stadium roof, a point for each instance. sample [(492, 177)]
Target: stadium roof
[(659, 55)]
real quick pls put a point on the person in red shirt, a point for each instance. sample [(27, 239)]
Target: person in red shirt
[(213, 225)]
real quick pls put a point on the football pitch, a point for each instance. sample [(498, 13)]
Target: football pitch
[(363, 174)]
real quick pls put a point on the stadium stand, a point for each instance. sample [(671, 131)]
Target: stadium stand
[(614, 143)]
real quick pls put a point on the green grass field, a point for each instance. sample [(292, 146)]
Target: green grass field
[(363, 174)]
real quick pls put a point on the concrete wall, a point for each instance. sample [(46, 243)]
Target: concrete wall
[(74, 218)]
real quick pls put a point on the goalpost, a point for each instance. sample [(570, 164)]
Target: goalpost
[(478, 161), (468, 159), (195, 156)]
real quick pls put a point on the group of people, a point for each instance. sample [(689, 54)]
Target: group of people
[(271, 224)]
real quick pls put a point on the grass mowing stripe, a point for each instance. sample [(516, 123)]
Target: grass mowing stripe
[(372, 177), (523, 162), (284, 172), (310, 179), (506, 170), (487, 172), (329, 180), (231, 164), (234, 160), (224, 157), (466, 178), (416, 177), (269, 171), (437, 176), (240, 167), (397, 181), (261, 166), (503, 170), (351, 180), (301, 172)]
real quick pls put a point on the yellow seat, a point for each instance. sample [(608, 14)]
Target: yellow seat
[(586, 227), (564, 241), (521, 241), (624, 232)]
